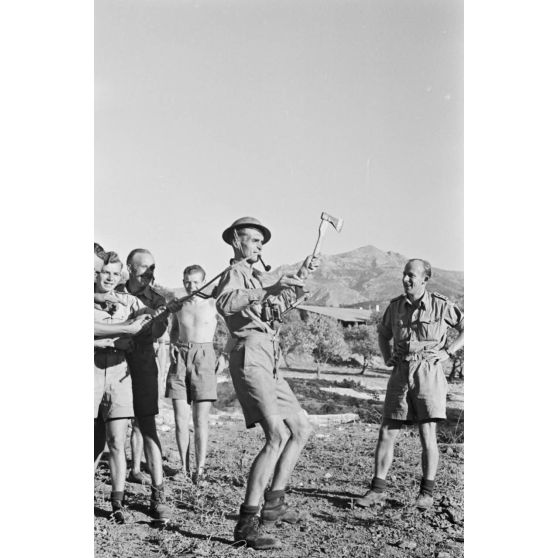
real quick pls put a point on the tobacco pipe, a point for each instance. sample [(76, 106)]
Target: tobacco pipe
[(266, 267)]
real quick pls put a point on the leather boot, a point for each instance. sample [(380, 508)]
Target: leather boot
[(117, 503), (159, 511), (249, 531), (276, 509)]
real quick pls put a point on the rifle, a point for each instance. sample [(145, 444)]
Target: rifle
[(163, 312)]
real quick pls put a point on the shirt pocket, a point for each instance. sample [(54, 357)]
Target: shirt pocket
[(429, 329), (401, 329)]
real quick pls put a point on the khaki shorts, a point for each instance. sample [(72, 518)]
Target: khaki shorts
[(113, 386), (145, 380), (416, 392), (193, 377), (260, 392)]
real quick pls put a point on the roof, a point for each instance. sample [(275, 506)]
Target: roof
[(341, 314)]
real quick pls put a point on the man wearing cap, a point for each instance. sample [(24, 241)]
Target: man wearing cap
[(266, 398), (417, 321)]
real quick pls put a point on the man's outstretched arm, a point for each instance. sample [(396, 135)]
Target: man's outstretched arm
[(131, 327)]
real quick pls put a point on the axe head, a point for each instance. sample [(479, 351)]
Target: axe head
[(337, 223)]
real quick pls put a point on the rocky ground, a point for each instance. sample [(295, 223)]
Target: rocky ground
[(334, 469)]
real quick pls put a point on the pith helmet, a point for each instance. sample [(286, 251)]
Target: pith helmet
[(246, 222)]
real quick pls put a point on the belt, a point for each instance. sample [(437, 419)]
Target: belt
[(421, 356), (109, 350), (190, 345)]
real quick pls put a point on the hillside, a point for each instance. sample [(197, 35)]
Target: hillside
[(364, 277), (367, 276)]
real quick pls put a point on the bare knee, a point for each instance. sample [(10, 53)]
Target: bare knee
[(147, 427), (116, 443), (277, 438), (388, 432), (301, 429), (428, 436)]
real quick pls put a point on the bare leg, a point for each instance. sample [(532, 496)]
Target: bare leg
[(276, 436), (200, 411), (99, 440), (136, 443), (300, 429), (182, 423), (384, 449), (430, 455), (153, 453), (116, 440)]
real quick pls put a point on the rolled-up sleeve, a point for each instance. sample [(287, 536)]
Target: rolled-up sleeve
[(136, 307), (454, 317), (233, 296), (384, 327)]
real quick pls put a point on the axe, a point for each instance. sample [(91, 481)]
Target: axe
[(336, 223)]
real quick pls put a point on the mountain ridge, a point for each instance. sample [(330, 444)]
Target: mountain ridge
[(365, 276)]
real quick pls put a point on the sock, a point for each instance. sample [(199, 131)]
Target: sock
[(248, 510), (426, 487), (116, 497), (157, 491), (378, 485), (274, 494)]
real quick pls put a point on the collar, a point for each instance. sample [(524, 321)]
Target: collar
[(146, 293), (424, 303), (245, 266)]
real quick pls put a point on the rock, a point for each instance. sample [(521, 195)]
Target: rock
[(349, 392), (328, 476), (449, 451), (410, 545), (164, 428), (329, 420), (443, 554)]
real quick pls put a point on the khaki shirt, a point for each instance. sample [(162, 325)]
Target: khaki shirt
[(239, 300), (152, 300), (112, 313), (420, 328)]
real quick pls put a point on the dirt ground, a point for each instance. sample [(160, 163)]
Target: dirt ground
[(334, 469)]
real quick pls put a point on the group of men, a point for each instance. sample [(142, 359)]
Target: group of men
[(129, 317), (412, 337)]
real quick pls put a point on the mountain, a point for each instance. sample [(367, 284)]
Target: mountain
[(367, 276), (363, 278)]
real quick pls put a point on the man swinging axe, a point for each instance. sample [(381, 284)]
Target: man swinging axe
[(266, 398)]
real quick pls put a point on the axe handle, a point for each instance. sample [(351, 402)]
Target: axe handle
[(321, 232)]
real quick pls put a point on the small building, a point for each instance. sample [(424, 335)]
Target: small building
[(346, 316)]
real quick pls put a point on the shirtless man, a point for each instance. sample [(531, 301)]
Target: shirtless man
[(191, 378)]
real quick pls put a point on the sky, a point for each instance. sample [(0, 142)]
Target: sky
[(206, 111)]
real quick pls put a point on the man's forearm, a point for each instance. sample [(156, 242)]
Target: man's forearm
[(385, 347), (173, 334), (231, 302), (458, 342), (102, 329)]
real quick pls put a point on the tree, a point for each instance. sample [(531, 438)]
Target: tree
[(221, 336), (322, 337), (290, 335), (363, 340)]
